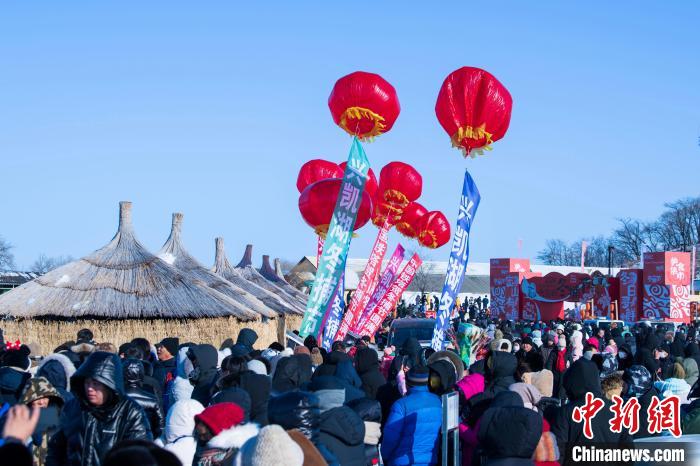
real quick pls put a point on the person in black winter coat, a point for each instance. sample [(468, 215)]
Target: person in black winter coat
[(500, 372), (388, 393), (343, 432), (99, 417), (370, 411), (412, 349), (244, 343), (14, 374), (292, 373), (646, 352), (529, 354), (133, 381), (204, 359), (640, 385), (581, 378), (300, 410), (237, 374), (504, 421), (165, 369), (367, 366)]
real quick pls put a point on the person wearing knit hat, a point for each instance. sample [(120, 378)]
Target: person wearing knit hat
[(257, 366), (220, 434), (302, 350), (271, 447), (412, 428)]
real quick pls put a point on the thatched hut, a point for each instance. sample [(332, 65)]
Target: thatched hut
[(278, 279), (122, 291), (250, 273), (175, 254), (249, 279)]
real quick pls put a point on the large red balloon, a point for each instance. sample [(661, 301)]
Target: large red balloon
[(474, 109), (399, 184), (316, 170), (371, 183), (409, 223), (364, 104), (383, 211), (318, 200), (434, 230)]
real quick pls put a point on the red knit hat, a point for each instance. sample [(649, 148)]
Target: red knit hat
[(221, 416), (594, 342)]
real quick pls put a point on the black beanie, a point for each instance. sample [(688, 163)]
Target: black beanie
[(170, 344), (85, 336)]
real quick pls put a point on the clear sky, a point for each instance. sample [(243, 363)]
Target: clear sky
[(210, 108)]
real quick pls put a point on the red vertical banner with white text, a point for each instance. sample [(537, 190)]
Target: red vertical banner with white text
[(391, 297), (368, 282)]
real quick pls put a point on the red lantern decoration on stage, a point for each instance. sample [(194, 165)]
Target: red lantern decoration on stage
[(316, 170), (364, 104), (399, 184), (409, 223), (371, 184), (474, 109), (434, 230), (318, 200)]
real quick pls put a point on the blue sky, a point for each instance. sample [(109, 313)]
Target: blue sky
[(210, 109)]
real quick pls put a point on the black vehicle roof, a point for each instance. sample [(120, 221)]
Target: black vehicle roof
[(399, 323)]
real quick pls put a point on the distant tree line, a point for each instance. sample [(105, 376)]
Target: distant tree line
[(42, 264), (676, 229)]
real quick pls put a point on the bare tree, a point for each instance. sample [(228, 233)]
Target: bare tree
[(555, 252), (45, 264), (7, 259)]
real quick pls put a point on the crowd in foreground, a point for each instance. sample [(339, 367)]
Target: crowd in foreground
[(180, 403)]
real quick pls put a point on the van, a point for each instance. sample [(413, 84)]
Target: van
[(403, 329)]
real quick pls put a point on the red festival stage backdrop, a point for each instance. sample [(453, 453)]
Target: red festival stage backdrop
[(667, 286), (660, 291)]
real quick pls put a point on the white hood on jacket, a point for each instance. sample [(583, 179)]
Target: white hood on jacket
[(180, 420)]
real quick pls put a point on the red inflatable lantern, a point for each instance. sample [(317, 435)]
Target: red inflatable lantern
[(364, 104), (474, 109), (317, 203), (371, 182), (434, 230), (399, 184), (409, 223), (383, 211), (316, 170)]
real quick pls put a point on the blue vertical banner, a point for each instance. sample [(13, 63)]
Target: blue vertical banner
[(335, 248), (459, 256), (335, 314)]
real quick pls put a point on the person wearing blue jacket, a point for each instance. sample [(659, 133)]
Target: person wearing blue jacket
[(413, 427)]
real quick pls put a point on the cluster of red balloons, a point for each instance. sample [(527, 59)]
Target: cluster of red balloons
[(319, 184), (472, 106), (400, 186)]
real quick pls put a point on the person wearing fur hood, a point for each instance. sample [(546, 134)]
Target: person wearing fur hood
[(58, 370), (220, 433)]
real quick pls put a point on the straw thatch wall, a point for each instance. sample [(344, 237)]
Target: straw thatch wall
[(52, 333)]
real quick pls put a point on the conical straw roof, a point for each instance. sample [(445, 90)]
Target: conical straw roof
[(121, 280), (176, 255), (250, 273), (223, 268), (271, 274)]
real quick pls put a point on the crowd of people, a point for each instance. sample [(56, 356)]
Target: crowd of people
[(184, 403)]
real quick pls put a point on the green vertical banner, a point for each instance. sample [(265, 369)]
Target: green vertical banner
[(335, 249)]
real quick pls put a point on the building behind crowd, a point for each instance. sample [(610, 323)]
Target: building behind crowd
[(429, 279)]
